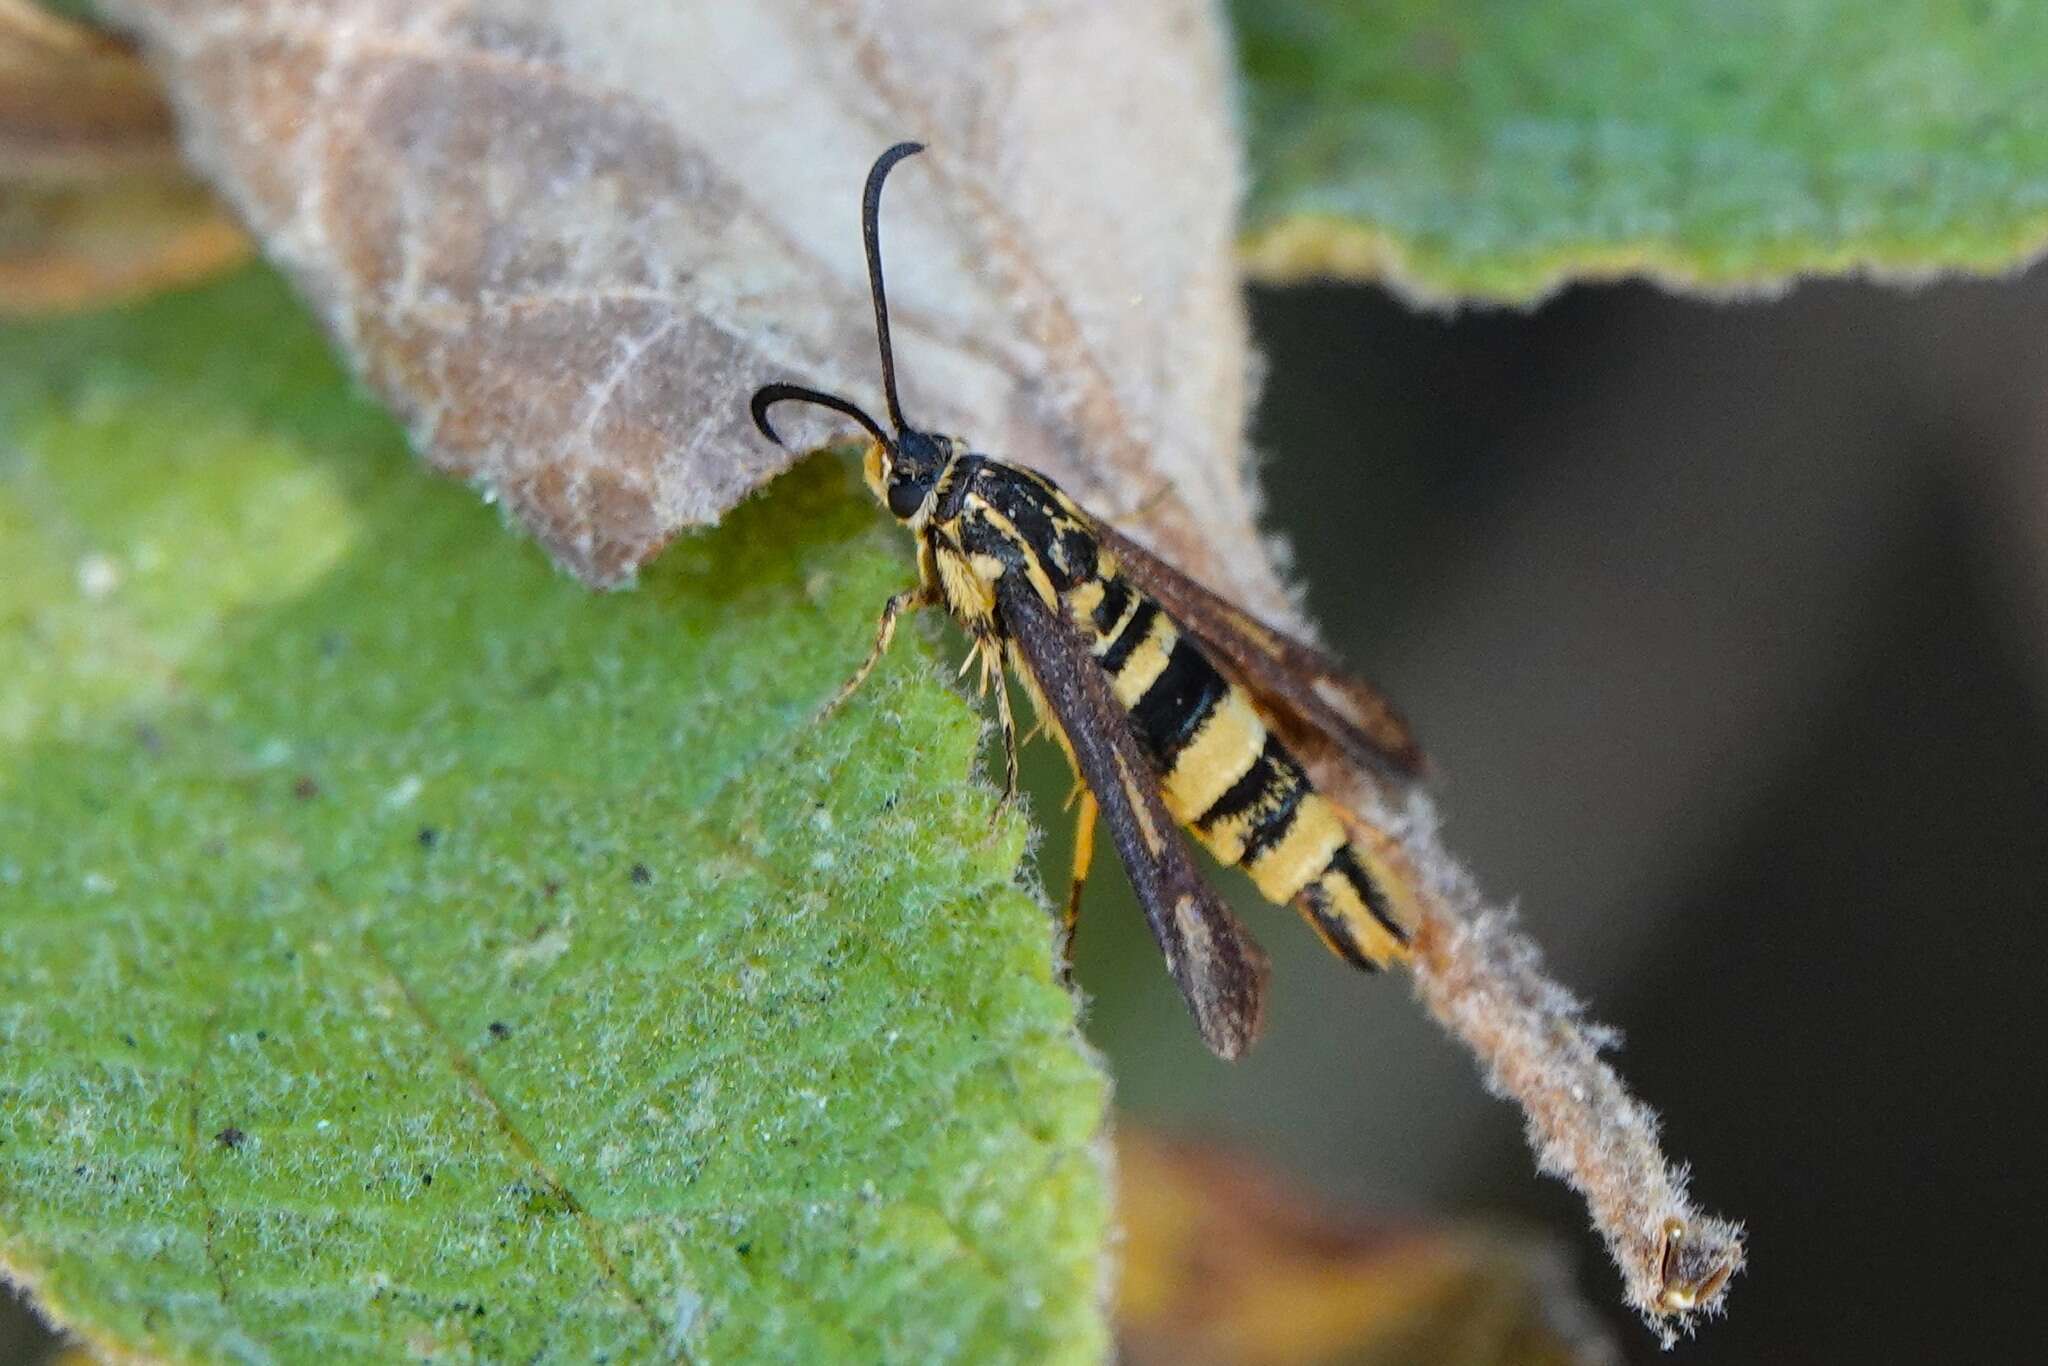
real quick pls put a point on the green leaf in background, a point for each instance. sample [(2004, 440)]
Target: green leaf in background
[(404, 952), (1475, 149), (83, 10)]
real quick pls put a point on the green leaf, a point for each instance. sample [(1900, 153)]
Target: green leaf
[(1486, 150), (405, 952), (85, 11)]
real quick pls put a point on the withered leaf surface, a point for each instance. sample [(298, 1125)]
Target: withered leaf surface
[(1224, 1262), (73, 100), (564, 239), (94, 204)]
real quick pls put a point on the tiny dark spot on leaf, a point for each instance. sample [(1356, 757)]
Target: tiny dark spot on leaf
[(305, 789), (641, 875), (427, 1179), (546, 1203), (262, 1036), (744, 1249), (428, 837), (128, 1039), (500, 1030), (230, 1137)]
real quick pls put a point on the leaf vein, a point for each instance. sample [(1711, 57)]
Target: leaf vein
[(459, 1060)]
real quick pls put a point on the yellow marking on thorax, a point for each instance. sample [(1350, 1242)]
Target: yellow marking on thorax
[(1314, 834), (1223, 751), (970, 592), (1034, 571), (1146, 662)]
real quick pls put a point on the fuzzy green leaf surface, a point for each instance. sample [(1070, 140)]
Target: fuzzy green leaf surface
[(1470, 149), (405, 952)]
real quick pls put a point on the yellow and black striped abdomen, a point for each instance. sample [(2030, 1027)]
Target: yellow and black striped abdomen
[(1232, 782)]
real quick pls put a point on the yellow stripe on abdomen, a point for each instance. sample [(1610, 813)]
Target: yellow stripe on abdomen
[(1221, 753), (1233, 783), (1287, 865), (1336, 907), (1146, 661)]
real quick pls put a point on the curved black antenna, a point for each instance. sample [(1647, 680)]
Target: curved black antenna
[(871, 233), (768, 395)]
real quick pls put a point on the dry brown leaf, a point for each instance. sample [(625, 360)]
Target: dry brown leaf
[(66, 248), (566, 240), (73, 100), (1222, 1263), (94, 204)]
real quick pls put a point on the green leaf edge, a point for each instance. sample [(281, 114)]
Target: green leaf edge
[(1309, 214), (1308, 246)]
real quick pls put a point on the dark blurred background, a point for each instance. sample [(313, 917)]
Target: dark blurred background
[(1726, 625)]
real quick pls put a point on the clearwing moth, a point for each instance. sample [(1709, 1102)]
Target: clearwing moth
[(1174, 706)]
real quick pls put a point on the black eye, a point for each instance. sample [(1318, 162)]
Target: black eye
[(905, 497)]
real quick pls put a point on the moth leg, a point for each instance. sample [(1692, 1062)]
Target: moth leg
[(909, 600), (1084, 854), (992, 663)]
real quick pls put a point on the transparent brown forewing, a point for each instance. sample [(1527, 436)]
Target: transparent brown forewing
[(1311, 699)]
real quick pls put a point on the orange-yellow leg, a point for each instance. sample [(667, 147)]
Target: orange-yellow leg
[(909, 600), (1084, 854)]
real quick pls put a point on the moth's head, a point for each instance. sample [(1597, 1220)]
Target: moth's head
[(904, 471), (902, 467)]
